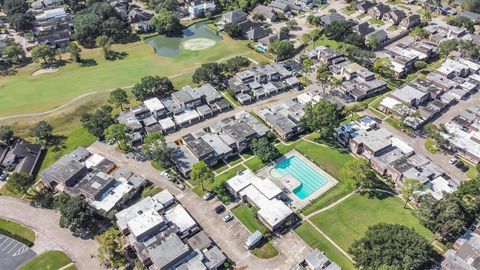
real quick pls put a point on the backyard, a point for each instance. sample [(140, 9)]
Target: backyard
[(24, 93), (17, 231), (50, 260), (349, 220)]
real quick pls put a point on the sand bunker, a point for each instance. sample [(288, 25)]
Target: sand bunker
[(44, 71), (198, 44)]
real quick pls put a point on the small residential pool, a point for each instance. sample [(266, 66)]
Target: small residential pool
[(198, 34), (309, 178), (261, 48)]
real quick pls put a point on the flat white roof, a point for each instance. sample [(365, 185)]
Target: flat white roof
[(403, 146), (164, 197), (181, 218), (241, 180), (439, 186), (186, 116), (124, 216), (389, 102), (154, 104), (114, 195), (93, 160), (267, 187), (145, 222), (166, 123)]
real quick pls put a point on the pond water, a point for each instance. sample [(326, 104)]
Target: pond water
[(196, 37)]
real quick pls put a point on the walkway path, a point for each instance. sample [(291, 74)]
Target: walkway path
[(49, 235), (329, 206), (330, 240)]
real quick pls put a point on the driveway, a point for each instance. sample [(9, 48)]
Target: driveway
[(231, 236), (48, 233)]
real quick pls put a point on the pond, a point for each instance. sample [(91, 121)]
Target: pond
[(196, 37)]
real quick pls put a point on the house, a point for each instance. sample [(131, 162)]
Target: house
[(280, 6), (473, 16), (267, 41), (140, 20), (257, 33), (364, 6), (328, 19), (379, 11), (363, 29), (410, 95), (317, 260), (199, 8), (465, 251), (267, 13), (410, 21), (236, 16), (21, 156), (394, 16), (380, 35)]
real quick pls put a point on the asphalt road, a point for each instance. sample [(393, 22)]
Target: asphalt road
[(13, 253)]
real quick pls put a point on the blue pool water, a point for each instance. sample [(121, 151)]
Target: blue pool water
[(309, 178), (261, 48)]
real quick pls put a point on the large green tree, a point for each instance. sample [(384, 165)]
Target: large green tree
[(118, 97), (410, 189), (105, 43), (322, 117), (75, 51), (201, 173), (13, 53), (44, 53), (75, 214), (209, 73), (234, 64), (19, 182), (282, 49), (11, 7), (6, 134), (359, 174), (42, 131), (118, 133), (152, 86), (167, 23), (98, 121), (233, 30), (111, 249), (264, 149), (21, 22), (391, 246), (155, 148)]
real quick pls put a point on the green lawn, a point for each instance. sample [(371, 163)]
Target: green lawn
[(247, 215), (17, 231), (254, 164), (150, 191), (431, 146), (316, 240), (50, 260), (376, 21), (219, 179), (24, 93), (349, 220)]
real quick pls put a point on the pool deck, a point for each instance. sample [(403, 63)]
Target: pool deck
[(288, 183)]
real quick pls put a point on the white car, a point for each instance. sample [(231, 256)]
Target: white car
[(227, 218), (208, 196), (453, 161)]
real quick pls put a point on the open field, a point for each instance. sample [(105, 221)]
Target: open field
[(349, 220), (50, 260), (17, 231), (24, 93), (316, 240)]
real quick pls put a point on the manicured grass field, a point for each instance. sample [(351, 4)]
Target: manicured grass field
[(349, 220), (316, 240), (219, 179), (17, 231), (50, 260), (431, 146), (254, 164), (24, 93)]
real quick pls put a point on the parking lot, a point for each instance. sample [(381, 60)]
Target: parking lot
[(13, 253)]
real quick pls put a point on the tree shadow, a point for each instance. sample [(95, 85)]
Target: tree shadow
[(375, 194), (57, 142), (88, 62), (8, 71), (117, 55)]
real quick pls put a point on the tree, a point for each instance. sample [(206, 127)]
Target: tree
[(323, 76), (42, 131), (461, 21), (152, 86), (282, 49), (118, 133), (155, 148), (359, 174), (468, 48), (372, 42), (419, 33), (21, 21), (234, 64), (410, 188), (285, 31), (13, 53), (167, 23), (338, 30), (360, 56), (384, 67), (307, 64), (97, 122), (11, 7), (209, 73), (427, 16), (201, 173), (472, 5), (391, 246), (6, 134), (111, 249), (233, 30), (355, 40), (105, 43), (43, 198), (19, 182), (43, 52), (447, 46), (258, 17), (420, 64), (118, 97), (313, 20), (291, 24), (75, 51), (322, 116), (264, 149), (75, 214)]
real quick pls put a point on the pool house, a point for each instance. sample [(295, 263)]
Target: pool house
[(264, 195)]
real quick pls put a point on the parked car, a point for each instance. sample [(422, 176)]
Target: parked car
[(459, 164), (208, 196), (180, 185), (3, 176), (228, 217), (219, 209), (453, 161)]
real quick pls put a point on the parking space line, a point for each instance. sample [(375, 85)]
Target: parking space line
[(7, 245), (16, 244), (6, 239), (20, 251)]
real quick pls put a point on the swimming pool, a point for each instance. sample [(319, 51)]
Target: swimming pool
[(309, 178), (261, 48)]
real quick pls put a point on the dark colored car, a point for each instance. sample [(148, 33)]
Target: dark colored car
[(3, 176), (459, 164), (219, 209)]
